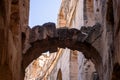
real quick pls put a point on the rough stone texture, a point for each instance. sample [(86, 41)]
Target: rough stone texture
[(86, 68), (40, 66), (13, 18), (74, 19), (60, 65), (73, 65), (61, 38), (116, 28), (105, 12), (103, 49)]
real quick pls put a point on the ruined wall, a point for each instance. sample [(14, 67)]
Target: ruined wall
[(73, 14), (76, 67), (107, 44), (116, 32), (116, 15), (105, 12), (13, 20)]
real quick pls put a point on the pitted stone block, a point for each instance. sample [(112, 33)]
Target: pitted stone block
[(62, 33), (34, 34), (49, 30)]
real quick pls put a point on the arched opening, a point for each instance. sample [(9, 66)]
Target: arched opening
[(52, 44), (59, 75), (116, 72), (59, 38)]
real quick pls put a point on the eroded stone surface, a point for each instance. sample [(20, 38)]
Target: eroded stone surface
[(14, 21), (60, 38)]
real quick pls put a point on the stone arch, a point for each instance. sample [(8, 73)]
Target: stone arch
[(48, 38), (59, 75)]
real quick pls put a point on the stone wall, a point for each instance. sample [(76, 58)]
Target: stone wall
[(71, 14), (74, 14), (13, 20), (63, 65), (105, 12)]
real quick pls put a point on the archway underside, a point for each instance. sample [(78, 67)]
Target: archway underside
[(48, 38)]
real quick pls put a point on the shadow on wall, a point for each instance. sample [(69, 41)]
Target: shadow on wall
[(116, 72)]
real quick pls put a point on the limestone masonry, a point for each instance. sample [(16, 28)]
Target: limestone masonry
[(85, 42)]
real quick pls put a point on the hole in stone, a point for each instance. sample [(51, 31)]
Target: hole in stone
[(116, 72), (14, 1), (97, 10), (110, 15), (23, 4), (95, 76), (59, 75), (23, 38)]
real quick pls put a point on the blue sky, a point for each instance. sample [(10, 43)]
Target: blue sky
[(42, 11)]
